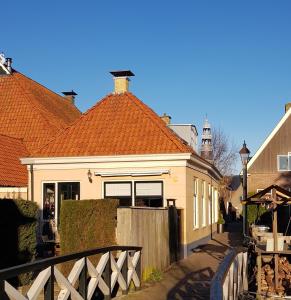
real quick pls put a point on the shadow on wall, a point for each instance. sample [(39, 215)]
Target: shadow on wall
[(11, 219), (284, 180)]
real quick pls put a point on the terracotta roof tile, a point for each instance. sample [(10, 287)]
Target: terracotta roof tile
[(32, 112), (119, 124), (12, 172)]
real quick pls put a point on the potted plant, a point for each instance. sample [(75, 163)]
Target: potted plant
[(220, 223)]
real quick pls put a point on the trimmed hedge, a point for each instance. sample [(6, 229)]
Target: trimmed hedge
[(87, 224), (18, 228)]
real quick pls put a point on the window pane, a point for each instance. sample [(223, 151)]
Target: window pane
[(283, 162), (149, 202), (148, 189), (121, 189), (48, 201)]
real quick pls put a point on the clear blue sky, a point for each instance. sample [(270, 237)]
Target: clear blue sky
[(229, 59)]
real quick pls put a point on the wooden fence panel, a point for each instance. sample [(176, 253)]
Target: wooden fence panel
[(148, 228)]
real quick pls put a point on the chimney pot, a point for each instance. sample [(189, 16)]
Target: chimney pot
[(121, 81), (166, 118), (9, 64), (70, 96), (287, 106)]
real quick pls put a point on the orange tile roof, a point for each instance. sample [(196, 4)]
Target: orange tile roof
[(12, 172), (119, 124), (32, 112)]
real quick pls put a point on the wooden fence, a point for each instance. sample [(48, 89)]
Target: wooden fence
[(230, 281), (118, 268), (149, 229)]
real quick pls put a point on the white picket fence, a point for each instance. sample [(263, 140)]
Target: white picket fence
[(231, 278)]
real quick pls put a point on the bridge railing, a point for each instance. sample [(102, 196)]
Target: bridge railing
[(231, 278), (118, 266)]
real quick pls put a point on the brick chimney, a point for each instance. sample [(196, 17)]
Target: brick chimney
[(71, 95), (166, 118), (121, 81), (287, 106)]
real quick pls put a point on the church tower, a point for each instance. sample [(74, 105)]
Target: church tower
[(206, 146)]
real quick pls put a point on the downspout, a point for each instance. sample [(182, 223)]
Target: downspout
[(31, 184), (211, 207)]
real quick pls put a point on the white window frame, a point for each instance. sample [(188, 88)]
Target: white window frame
[(195, 203), (203, 203), (209, 203), (133, 187), (216, 210), (213, 205)]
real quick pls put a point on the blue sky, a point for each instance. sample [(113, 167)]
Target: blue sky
[(229, 59)]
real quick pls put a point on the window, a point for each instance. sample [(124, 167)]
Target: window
[(203, 204), (146, 193), (49, 194), (216, 207), (120, 191), (149, 193), (209, 204), (195, 205), (283, 163), (213, 205), (67, 191)]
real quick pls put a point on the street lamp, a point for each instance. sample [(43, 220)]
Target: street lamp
[(244, 155)]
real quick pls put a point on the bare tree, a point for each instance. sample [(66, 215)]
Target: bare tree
[(225, 152)]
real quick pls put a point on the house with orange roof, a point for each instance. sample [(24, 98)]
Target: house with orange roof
[(31, 113), (120, 148)]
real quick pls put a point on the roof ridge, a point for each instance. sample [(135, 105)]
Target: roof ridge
[(50, 90), (61, 132), (9, 136), (167, 131), (35, 104), (35, 82)]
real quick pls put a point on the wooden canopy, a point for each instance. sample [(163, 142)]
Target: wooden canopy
[(267, 196)]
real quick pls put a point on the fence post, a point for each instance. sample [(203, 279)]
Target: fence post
[(173, 230), (107, 277), (138, 271), (124, 271), (49, 286), (83, 280)]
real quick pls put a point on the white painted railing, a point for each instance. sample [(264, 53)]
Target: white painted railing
[(231, 278), (117, 266)]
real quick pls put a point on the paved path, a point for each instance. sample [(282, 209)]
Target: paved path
[(191, 277)]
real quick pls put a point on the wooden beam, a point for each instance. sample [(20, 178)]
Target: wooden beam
[(275, 220), (276, 272), (259, 270)]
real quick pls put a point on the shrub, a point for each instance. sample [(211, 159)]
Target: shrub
[(87, 224), (151, 274), (18, 227), (254, 212), (220, 219)]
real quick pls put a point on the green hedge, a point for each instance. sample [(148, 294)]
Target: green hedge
[(87, 224), (18, 227)]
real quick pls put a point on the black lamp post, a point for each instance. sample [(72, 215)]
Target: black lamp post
[(245, 154)]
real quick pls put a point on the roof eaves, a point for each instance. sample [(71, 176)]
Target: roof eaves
[(269, 138)]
